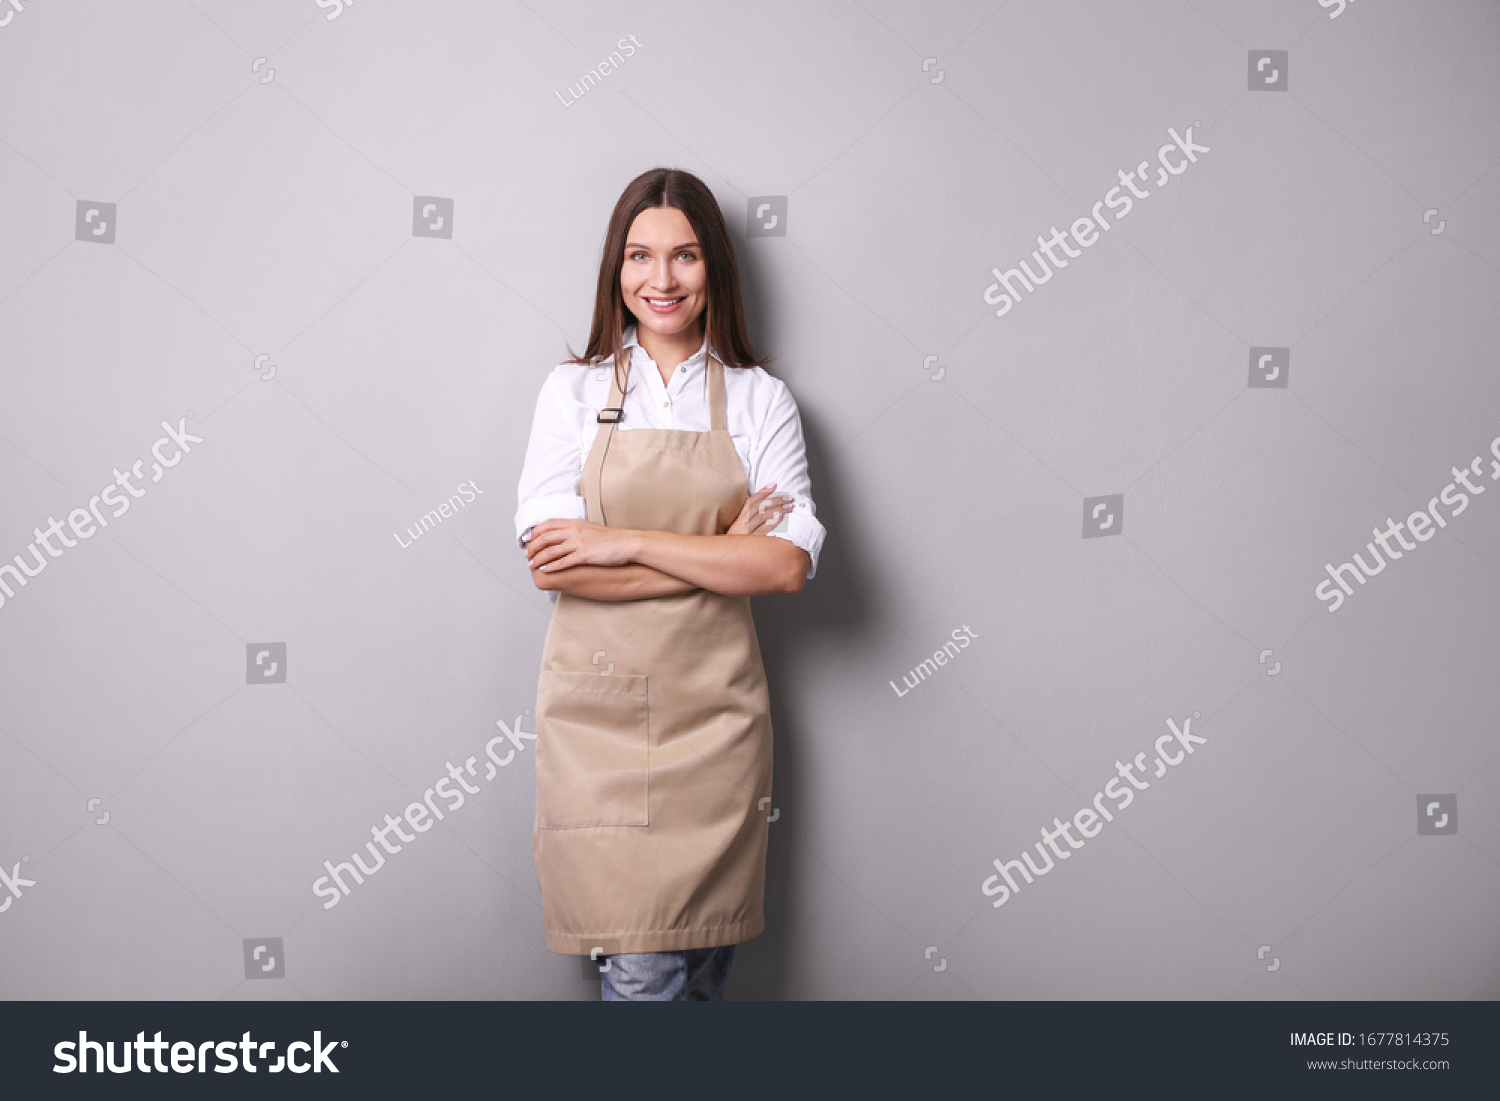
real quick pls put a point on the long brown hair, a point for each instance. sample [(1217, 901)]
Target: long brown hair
[(724, 313)]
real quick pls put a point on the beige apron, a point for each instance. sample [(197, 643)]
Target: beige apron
[(653, 735)]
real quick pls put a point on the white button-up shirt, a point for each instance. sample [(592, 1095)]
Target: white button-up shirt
[(762, 421)]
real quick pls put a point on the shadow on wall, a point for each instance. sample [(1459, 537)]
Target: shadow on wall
[(831, 610)]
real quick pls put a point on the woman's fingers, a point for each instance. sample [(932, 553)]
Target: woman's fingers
[(769, 514), (752, 503), (548, 554), (561, 561), (748, 521), (750, 516), (544, 537)]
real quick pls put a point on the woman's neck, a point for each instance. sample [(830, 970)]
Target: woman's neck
[(670, 350)]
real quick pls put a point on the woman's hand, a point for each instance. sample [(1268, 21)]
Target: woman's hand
[(557, 544), (757, 520)]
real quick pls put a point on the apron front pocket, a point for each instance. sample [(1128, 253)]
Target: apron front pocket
[(592, 750)]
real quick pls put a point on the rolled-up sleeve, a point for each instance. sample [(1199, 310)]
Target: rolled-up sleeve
[(779, 456), (548, 489)]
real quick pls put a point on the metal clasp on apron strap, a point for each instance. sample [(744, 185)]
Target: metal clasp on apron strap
[(618, 412)]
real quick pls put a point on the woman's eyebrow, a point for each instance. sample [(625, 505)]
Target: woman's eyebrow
[(674, 248)]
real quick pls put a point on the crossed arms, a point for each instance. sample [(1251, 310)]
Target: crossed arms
[(614, 564)]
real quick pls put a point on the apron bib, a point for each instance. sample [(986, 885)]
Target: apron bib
[(653, 728)]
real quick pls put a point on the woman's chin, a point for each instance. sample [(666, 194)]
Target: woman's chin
[(666, 324)]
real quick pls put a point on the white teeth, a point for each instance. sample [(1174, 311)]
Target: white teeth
[(664, 301)]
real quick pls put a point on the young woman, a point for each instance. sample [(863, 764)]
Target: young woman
[(653, 749)]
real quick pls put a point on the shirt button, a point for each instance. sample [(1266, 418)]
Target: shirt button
[(683, 367), (665, 404)]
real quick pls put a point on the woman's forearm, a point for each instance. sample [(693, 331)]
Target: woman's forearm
[(734, 565), (612, 583)]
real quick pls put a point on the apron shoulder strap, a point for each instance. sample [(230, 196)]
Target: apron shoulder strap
[(607, 418), (718, 417)]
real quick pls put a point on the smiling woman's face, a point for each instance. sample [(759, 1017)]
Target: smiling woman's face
[(663, 279)]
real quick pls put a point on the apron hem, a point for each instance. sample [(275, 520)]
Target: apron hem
[(660, 940)]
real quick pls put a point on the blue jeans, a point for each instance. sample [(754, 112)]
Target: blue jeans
[(694, 975)]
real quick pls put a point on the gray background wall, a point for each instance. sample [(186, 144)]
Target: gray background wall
[(173, 806)]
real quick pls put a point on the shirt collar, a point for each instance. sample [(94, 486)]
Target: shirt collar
[(629, 340)]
